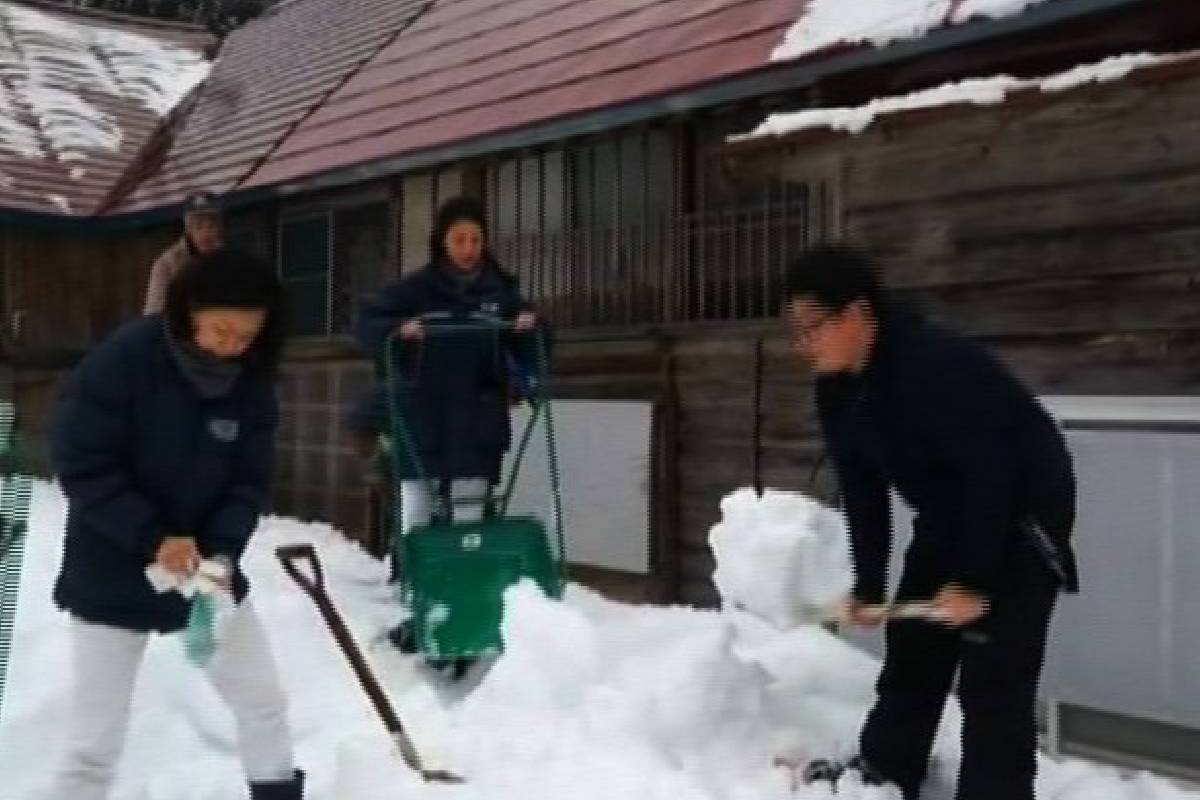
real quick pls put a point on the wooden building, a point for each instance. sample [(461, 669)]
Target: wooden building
[(597, 137), (1058, 226)]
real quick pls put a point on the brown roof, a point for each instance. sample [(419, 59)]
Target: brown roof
[(321, 88), (269, 75), (80, 93), (470, 68)]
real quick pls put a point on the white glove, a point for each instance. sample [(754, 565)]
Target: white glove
[(211, 577)]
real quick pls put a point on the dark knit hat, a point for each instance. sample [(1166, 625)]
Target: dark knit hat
[(229, 278)]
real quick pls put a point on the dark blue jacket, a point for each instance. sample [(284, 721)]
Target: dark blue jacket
[(452, 390), (142, 456), (970, 449)]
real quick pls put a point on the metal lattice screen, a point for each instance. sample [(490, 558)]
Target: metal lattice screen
[(627, 230), (636, 227)]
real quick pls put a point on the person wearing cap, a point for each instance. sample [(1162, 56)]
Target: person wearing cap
[(203, 233), (458, 387)]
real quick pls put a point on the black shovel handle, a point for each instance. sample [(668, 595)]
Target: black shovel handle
[(290, 556)]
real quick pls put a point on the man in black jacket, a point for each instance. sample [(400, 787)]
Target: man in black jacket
[(907, 405)]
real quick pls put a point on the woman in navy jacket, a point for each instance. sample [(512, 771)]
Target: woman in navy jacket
[(163, 445), (457, 389)]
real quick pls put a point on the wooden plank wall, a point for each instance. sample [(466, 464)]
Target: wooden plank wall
[(715, 382), (1061, 230), (70, 291)]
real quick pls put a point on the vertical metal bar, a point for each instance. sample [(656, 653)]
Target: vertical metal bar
[(539, 262), (765, 266), (785, 235), (518, 265), (823, 209), (620, 265), (494, 224), (680, 252), (589, 239), (644, 286), (330, 271), (701, 234), (564, 261), (808, 198), (732, 257), (398, 222)]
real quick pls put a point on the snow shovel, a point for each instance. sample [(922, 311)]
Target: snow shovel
[(314, 587), (915, 609)]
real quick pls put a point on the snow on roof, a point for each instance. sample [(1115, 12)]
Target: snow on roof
[(826, 23), (77, 91), (979, 91)]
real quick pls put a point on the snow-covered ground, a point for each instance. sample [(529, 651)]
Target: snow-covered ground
[(593, 700)]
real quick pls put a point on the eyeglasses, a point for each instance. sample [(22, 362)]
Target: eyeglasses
[(806, 333)]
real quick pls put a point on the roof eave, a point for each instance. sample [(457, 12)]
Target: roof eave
[(771, 79)]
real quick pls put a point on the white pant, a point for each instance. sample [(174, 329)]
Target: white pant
[(105, 661), (416, 501)]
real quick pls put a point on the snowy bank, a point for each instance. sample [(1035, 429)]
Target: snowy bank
[(593, 700)]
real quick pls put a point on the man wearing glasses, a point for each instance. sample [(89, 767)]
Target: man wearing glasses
[(907, 405)]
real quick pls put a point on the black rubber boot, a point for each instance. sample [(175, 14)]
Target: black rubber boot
[(452, 669), (870, 776), (292, 789), (402, 638), (822, 770)]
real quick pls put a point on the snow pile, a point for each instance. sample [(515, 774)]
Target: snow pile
[(780, 556), (826, 23), (593, 700), (978, 91), (56, 70)]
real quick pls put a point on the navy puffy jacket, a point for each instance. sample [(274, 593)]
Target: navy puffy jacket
[(141, 456), (455, 388)]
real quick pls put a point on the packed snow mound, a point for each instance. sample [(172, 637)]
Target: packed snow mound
[(593, 700), (780, 556)]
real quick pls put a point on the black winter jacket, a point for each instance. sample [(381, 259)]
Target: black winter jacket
[(452, 390), (969, 449), (142, 456)]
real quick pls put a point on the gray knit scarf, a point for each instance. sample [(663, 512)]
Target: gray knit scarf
[(212, 377)]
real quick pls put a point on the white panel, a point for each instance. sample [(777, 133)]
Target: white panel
[(449, 184), (1124, 409), (1130, 642), (1107, 648), (604, 453), (1184, 591), (417, 222)]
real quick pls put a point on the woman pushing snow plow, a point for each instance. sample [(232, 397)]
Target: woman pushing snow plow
[(454, 344)]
